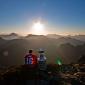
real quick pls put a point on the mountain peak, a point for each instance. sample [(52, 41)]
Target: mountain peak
[(13, 34)]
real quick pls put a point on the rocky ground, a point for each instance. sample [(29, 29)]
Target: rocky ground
[(53, 75)]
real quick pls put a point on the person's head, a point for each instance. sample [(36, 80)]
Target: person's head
[(30, 51)]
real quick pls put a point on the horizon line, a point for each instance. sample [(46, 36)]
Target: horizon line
[(41, 34)]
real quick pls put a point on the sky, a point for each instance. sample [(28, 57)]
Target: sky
[(58, 16)]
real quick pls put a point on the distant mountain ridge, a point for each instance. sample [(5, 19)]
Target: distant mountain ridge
[(10, 36), (79, 37), (72, 41), (54, 36)]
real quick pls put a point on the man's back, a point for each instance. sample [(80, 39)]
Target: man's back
[(30, 59)]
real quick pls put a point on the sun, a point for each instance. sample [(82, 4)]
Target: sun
[(38, 28)]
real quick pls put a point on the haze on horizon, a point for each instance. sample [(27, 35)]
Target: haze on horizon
[(66, 17)]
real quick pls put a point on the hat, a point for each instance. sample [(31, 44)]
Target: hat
[(41, 50)]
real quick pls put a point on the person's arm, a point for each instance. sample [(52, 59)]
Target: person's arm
[(45, 58)]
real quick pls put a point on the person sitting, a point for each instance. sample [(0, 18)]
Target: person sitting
[(30, 58), (42, 60)]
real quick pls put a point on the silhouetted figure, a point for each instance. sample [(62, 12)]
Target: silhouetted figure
[(31, 59), (42, 60)]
